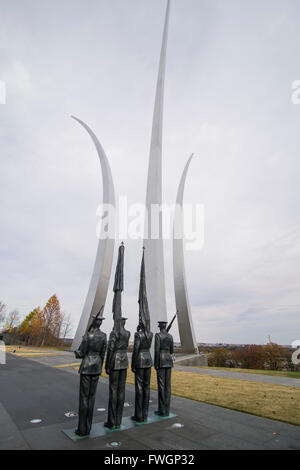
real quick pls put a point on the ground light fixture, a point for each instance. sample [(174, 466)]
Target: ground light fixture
[(114, 444)]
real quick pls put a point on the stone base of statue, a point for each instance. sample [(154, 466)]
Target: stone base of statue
[(99, 430)]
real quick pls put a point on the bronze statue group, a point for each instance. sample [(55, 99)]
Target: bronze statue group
[(94, 347)]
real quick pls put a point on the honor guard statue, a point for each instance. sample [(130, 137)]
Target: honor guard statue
[(163, 363), (141, 357), (141, 367), (92, 352), (116, 368), (117, 359)]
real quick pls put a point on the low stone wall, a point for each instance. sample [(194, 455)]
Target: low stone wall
[(193, 361)]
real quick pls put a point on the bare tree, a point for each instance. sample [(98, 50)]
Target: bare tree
[(66, 325), (2, 312), (12, 320)]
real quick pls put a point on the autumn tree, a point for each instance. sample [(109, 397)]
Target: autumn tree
[(249, 357), (24, 328), (219, 358), (275, 356), (52, 321), (31, 329), (37, 327)]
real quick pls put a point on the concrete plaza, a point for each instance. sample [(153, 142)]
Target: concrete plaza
[(36, 389)]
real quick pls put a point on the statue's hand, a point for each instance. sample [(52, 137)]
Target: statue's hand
[(77, 355)]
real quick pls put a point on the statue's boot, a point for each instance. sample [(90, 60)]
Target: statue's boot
[(80, 434), (137, 420), (108, 425)]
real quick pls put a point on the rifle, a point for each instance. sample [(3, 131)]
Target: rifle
[(96, 318), (171, 324)]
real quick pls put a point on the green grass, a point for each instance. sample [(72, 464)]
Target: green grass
[(278, 373)]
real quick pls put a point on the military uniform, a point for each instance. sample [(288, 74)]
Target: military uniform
[(116, 368), (163, 363), (92, 352), (141, 365)]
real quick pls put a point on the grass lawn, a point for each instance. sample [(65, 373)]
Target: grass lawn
[(12, 347), (279, 373), (31, 351), (267, 400)]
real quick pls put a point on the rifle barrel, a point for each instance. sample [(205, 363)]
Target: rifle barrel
[(171, 324)]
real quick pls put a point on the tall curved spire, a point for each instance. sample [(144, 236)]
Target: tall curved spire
[(98, 288), (184, 316), (154, 253)]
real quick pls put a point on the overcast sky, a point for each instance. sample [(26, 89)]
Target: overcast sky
[(230, 67)]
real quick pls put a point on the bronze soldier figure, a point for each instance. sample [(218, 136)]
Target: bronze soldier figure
[(117, 359), (92, 352), (141, 357), (163, 363), (141, 366), (116, 367)]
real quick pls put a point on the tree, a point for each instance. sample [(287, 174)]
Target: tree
[(12, 321), (219, 358), (31, 328), (249, 357), (52, 321), (24, 328), (66, 325), (2, 312), (275, 355)]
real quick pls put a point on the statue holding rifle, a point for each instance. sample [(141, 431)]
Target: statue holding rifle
[(141, 357), (163, 363), (92, 352), (117, 360)]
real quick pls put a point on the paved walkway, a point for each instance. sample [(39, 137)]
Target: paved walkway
[(32, 390), (271, 379)]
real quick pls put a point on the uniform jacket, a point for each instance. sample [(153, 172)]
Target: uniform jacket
[(117, 358), (141, 356), (92, 352), (163, 350)]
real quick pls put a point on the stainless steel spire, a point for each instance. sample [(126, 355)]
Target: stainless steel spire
[(97, 292), (154, 253), (184, 316)]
